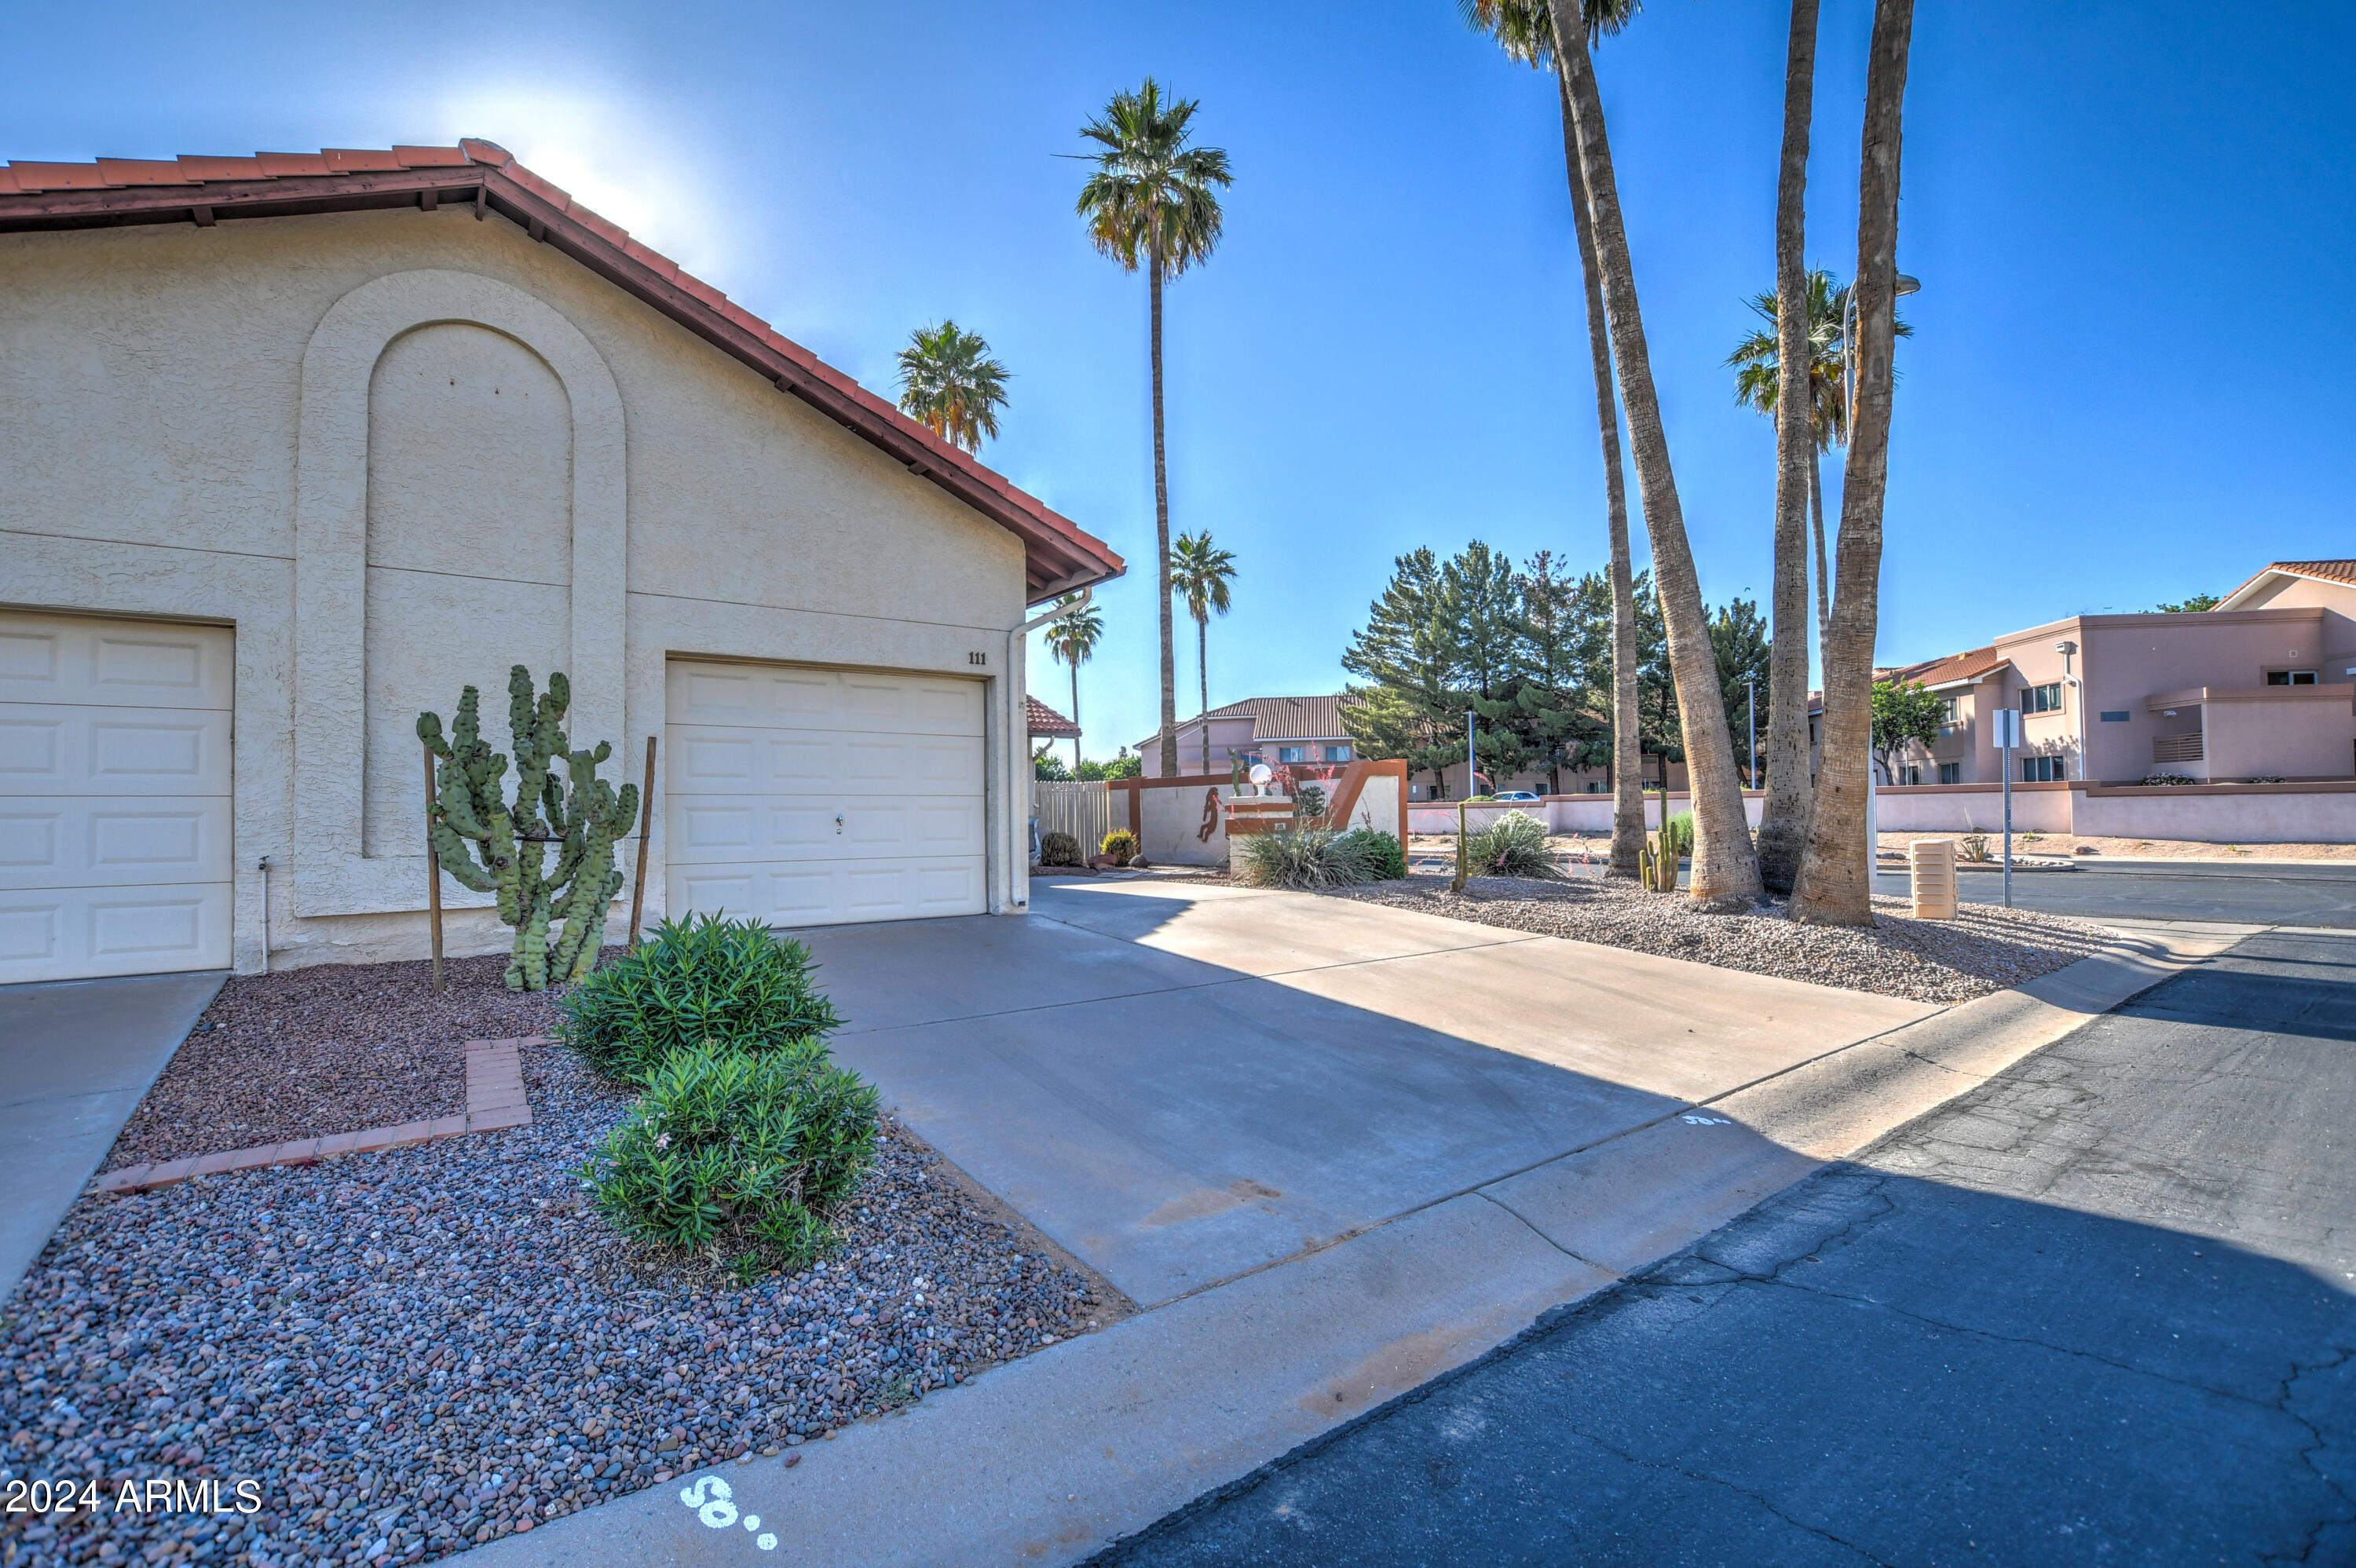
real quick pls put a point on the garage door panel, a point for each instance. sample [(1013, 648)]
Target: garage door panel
[(57, 749), (715, 829), (808, 796), (785, 697), (117, 663), (63, 841), (116, 827), (75, 933), (708, 758)]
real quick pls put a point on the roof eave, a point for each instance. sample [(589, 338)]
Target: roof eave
[(1059, 556)]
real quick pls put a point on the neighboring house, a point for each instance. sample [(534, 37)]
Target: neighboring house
[(2262, 687), (1278, 730), (293, 446)]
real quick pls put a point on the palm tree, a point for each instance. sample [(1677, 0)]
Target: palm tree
[(1725, 866), (1153, 201), (948, 381), (1784, 816), (1524, 30), (1836, 883), (1756, 362), (1199, 573), (1073, 638)]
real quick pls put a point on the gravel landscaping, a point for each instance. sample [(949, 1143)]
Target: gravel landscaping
[(415, 1352), (333, 1048), (1984, 949)]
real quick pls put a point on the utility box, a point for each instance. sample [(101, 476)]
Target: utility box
[(1931, 862)]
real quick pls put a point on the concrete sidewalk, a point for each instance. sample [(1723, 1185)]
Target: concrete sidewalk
[(76, 1056), (1048, 1458)]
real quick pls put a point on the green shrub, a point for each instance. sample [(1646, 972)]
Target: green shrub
[(1120, 843), (1375, 854), (1512, 846), (1678, 836), (1305, 858), (745, 1158), (1059, 849), (703, 979)]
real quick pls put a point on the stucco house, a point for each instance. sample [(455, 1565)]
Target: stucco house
[(293, 446), (1278, 730), (2262, 687)]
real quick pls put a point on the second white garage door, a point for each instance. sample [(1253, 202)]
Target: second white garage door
[(817, 796)]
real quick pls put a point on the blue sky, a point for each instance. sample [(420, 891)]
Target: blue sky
[(2134, 222)]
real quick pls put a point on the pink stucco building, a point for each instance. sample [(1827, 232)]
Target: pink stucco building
[(2261, 687)]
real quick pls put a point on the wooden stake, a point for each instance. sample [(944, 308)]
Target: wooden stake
[(645, 829), (433, 873)]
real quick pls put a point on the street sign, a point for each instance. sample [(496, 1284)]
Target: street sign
[(2007, 737), (2008, 728)]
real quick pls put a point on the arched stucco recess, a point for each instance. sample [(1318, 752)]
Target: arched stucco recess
[(331, 876)]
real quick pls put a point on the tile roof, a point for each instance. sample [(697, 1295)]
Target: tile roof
[(1949, 668), (112, 192), (1046, 723), (1285, 717), (2327, 570)]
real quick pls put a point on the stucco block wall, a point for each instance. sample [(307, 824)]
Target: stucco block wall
[(401, 450)]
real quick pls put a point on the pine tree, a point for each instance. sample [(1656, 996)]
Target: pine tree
[(1564, 692), (1407, 706), (1744, 652), (1481, 605)]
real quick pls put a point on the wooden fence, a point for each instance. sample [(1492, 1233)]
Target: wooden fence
[(1083, 810)]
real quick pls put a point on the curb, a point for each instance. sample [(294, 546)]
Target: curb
[(495, 1102)]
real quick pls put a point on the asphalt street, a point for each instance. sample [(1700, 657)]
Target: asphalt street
[(2100, 1310), (2286, 894)]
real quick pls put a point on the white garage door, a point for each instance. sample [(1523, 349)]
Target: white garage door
[(114, 796), (816, 797)]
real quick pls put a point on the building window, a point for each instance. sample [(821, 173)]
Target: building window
[(1951, 773), (2046, 698), (2117, 715), (1337, 753), (1949, 708), (2041, 770), (1288, 754), (2290, 678), (1914, 775)]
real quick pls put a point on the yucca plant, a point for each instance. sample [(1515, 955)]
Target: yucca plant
[(705, 979), (1512, 846), (744, 1157)]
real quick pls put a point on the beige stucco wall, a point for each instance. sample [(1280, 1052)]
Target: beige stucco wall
[(2222, 813), (366, 440)]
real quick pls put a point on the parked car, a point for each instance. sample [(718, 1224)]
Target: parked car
[(1519, 796)]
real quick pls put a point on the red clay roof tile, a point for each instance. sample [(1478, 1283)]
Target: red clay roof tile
[(281, 165), (612, 233), (361, 160), (143, 171), (484, 152), (556, 195), (430, 157), (59, 176), (198, 167), (654, 261)]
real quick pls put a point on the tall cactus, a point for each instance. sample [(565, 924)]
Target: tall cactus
[(492, 846)]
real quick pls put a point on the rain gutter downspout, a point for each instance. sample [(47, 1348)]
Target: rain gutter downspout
[(1018, 897)]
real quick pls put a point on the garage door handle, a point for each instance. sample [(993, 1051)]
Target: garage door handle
[(837, 822)]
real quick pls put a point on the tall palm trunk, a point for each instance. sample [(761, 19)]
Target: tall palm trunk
[(1076, 721), (1162, 544), (1835, 884), (1824, 569), (1725, 866), (1627, 729), (1202, 667), (1783, 820)]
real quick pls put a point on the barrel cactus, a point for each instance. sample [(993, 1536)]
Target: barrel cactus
[(484, 843)]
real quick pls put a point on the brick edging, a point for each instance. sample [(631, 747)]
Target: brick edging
[(495, 1101)]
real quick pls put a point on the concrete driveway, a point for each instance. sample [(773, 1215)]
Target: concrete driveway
[(1182, 1084), (76, 1057)]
